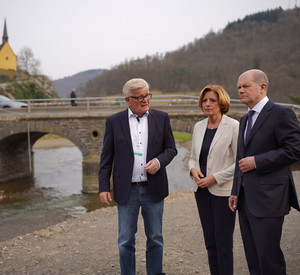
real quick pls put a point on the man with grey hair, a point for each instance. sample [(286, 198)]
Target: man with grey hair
[(263, 187), (138, 145)]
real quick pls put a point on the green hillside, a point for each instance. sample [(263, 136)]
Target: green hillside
[(268, 40)]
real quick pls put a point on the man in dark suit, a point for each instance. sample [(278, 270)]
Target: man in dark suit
[(263, 188), (138, 145)]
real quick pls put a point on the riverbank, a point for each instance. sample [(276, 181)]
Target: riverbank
[(54, 194), (88, 244)]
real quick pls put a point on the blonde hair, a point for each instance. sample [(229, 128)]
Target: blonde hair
[(224, 99), (132, 84)]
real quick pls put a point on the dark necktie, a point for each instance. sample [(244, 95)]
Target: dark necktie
[(250, 114)]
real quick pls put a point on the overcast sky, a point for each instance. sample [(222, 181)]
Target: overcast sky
[(70, 36)]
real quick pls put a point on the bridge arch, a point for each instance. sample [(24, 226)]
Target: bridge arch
[(17, 137)]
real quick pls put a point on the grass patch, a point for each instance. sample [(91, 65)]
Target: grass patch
[(182, 136)]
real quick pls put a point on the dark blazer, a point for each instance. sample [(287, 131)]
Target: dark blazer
[(275, 143), (117, 154)]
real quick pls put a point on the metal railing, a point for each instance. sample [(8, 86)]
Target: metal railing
[(87, 103), (90, 102)]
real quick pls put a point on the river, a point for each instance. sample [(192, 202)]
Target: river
[(54, 193)]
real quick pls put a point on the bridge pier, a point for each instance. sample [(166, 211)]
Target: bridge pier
[(15, 161), (90, 168)]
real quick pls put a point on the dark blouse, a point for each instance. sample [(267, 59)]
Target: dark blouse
[(207, 140)]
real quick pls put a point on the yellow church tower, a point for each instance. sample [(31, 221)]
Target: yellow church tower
[(8, 60)]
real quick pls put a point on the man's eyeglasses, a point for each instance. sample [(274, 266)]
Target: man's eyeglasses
[(141, 97)]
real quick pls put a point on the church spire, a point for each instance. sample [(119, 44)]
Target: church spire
[(5, 36)]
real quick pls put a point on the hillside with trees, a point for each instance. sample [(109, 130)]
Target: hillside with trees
[(268, 40), (65, 85)]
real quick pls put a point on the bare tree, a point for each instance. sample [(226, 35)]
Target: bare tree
[(27, 61)]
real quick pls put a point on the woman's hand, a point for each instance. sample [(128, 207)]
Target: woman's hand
[(200, 180), (196, 175), (206, 182)]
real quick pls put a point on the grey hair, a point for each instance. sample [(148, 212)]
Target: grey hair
[(134, 83)]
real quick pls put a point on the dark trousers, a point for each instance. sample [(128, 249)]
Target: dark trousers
[(261, 238), (217, 222)]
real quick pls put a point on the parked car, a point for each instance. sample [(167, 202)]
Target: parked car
[(5, 102)]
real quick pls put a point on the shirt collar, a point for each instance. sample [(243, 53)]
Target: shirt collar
[(131, 114), (259, 106)]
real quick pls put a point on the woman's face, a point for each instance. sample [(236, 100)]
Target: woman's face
[(210, 104)]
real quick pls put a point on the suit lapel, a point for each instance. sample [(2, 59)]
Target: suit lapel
[(124, 126), (243, 123), (200, 133), (151, 126), (219, 132), (263, 115)]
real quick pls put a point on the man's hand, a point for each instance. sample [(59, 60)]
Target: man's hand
[(247, 164), (232, 201), (152, 166), (105, 197)]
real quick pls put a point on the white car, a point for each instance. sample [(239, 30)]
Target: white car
[(5, 102)]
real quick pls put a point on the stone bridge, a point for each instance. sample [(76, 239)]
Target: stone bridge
[(19, 132)]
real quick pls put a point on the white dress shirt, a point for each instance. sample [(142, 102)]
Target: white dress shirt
[(257, 108), (139, 138)]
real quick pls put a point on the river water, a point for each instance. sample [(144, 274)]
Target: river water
[(54, 193)]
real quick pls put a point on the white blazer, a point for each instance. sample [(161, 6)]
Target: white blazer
[(221, 155)]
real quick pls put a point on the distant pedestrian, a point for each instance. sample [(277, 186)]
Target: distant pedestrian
[(73, 96)]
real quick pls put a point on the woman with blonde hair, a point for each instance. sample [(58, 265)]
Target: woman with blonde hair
[(211, 166)]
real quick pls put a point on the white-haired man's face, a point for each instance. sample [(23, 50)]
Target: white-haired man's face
[(139, 101)]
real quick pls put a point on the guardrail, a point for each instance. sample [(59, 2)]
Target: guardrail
[(88, 102), (119, 100)]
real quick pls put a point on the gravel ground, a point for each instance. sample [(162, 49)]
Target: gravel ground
[(88, 244)]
